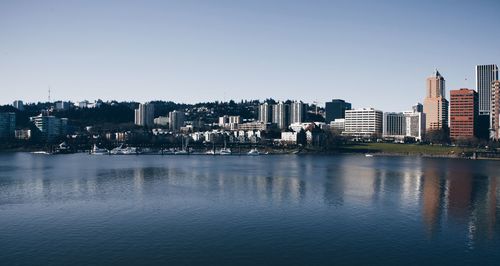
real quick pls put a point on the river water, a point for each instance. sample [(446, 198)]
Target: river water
[(239, 210)]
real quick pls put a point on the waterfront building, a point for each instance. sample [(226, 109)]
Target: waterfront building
[(297, 112), (464, 111), (485, 75), (394, 125), (363, 123), (336, 109), (415, 124), (495, 110), (409, 124), (281, 115), (19, 105), (49, 126), (266, 113), (7, 125), (435, 103), (176, 120), (289, 137), (23, 134), (144, 115)]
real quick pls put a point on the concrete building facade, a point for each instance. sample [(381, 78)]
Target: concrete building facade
[(297, 112), (266, 113), (144, 115), (363, 123), (281, 115), (175, 120)]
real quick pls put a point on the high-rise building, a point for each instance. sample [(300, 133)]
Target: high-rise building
[(49, 126), (485, 75), (281, 115), (176, 120), (19, 105), (435, 103), (7, 125), (297, 112), (364, 123), (265, 113), (336, 109), (495, 110), (144, 115), (415, 125), (463, 113)]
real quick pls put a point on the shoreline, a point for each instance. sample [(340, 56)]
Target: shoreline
[(303, 152)]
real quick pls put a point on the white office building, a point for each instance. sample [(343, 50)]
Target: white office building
[(363, 123)]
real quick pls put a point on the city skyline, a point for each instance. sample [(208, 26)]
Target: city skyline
[(192, 51)]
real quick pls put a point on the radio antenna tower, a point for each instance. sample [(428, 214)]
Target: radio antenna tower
[(49, 94)]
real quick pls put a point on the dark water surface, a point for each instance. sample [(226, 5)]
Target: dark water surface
[(237, 210)]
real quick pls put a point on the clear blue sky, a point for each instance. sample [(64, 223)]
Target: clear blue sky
[(371, 53)]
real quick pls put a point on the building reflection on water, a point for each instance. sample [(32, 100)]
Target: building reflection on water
[(443, 192)]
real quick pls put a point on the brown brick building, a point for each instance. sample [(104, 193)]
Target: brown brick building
[(464, 111)]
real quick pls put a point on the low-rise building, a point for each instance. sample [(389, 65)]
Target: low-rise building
[(289, 137), (23, 134)]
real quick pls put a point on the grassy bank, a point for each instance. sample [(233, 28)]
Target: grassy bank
[(407, 149)]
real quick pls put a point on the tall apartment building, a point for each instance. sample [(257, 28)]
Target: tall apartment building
[(176, 120), (495, 110), (281, 115), (266, 113), (7, 125), (363, 123), (464, 112), (144, 115), (336, 110), (485, 75), (435, 103), (297, 112)]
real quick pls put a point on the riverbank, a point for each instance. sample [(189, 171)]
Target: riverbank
[(377, 149)]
